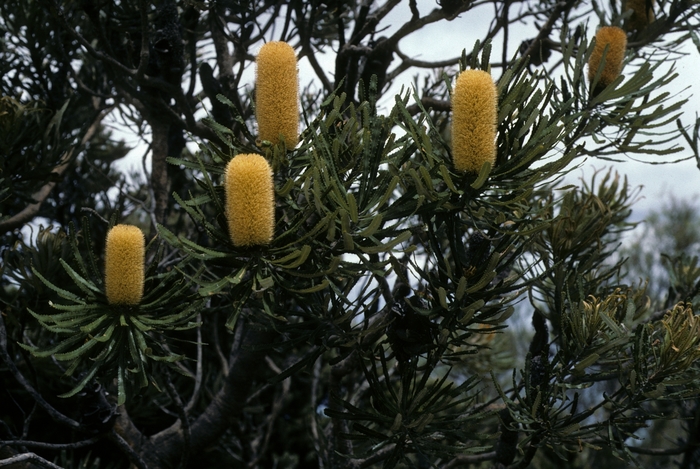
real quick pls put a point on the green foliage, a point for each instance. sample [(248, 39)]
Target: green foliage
[(111, 341), (388, 320)]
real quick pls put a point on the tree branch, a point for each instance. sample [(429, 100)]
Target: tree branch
[(164, 449), (53, 446), (427, 102), (463, 459), (5, 357), (31, 210), (159, 167), (28, 457)]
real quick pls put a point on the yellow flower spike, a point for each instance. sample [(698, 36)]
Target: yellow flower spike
[(250, 203), (474, 115), (615, 40), (277, 94), (642, 14), (124, 265)]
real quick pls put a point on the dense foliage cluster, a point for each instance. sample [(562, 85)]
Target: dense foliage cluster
[(323, 282)]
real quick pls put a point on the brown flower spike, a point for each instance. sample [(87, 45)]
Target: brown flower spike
[(124, 265), (614, 40), (250, 208), (277, 94), (474, 115), (642, 14)]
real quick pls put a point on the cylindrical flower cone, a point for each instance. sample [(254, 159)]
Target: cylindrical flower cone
[(614, 40), (474, 115), (125, 253), (277, 94), (642, 14), (250, 206)]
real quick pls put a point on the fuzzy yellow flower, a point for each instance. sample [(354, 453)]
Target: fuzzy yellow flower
[(474, 115), (642, 14), (124, 265), (614, 40), (277, 94), (250, 206)]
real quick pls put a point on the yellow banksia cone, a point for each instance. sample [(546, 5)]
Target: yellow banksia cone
[(277, 94), (642, 14), (250, 206), (474, 115), (124, 265), (614, 40)]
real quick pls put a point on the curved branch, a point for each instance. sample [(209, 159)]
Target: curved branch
[(427, 102), (5, 357), (28, 457), (53, 446), (424, 64), (164, 449), (31, 210)]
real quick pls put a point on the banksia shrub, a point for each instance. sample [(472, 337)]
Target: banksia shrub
[(614, 40), (124, 265), (277, 94), (474, 114), (642, 14), (250, 208)]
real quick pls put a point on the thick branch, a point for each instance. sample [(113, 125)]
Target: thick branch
[(164, 449), (159, 168)]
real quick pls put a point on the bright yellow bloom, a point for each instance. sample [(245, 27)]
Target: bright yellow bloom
[(643, 13), (474, 115), (277, 94), (614, 40), (250, 203), (124, 265)]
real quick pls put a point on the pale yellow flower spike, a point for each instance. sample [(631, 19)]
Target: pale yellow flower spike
[(615, 39), (250, 207), (642, 14), (124, 265), (474, 115), (277, 94)]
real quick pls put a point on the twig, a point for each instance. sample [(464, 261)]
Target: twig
[(30, 211), (379, 455), (145, 42), (277, 406), (469, 459), (318, 446), (184, 420), (535, 44), (427, 102), (53, 413), (28, 457), (96, 213), (145, 79), (163, 449), (198, 375), (54, 446), (425, 64), (133, 456)]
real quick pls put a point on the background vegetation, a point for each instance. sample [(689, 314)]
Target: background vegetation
[(405, 314)]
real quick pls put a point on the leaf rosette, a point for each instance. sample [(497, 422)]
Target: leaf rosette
[(115, 342)]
